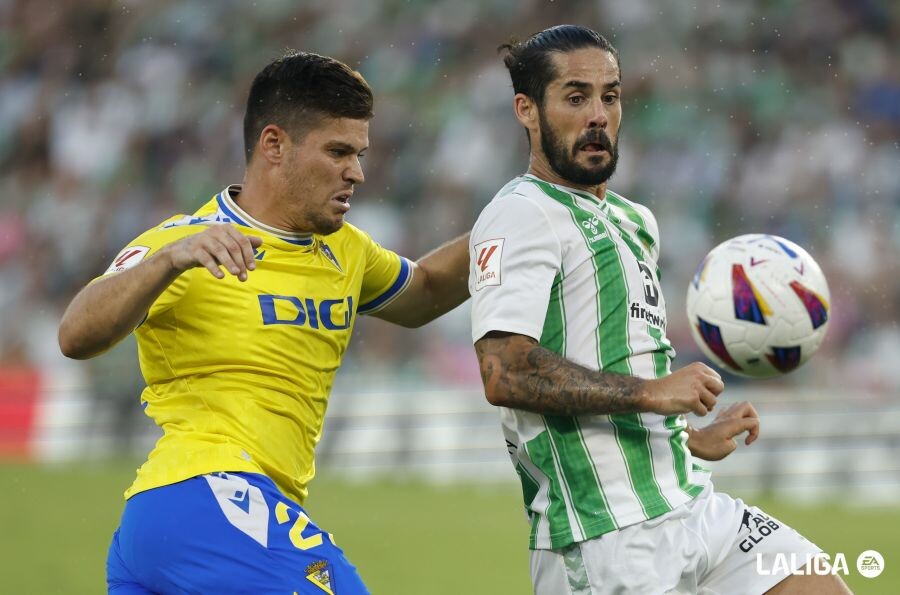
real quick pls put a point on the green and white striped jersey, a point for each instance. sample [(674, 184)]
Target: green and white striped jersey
[(579, 275)]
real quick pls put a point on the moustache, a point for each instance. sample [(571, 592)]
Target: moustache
[(595, 136)]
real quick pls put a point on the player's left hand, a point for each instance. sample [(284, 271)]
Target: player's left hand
[(716, 441)]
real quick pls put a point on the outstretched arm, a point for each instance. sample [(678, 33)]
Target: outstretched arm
[(439, 283), (517, 372), (106, 311)]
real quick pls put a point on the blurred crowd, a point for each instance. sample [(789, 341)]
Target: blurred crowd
[(780, 117)]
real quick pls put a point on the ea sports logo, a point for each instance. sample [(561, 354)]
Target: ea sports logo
[(870, 563)]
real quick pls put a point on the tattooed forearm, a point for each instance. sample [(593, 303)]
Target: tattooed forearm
[(519, 373)]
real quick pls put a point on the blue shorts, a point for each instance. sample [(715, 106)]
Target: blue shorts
[(224, 533)]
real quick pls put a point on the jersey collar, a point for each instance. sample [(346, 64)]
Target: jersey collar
[(226, 202), (586, 195)]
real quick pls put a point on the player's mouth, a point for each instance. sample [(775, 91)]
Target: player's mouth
[(342, 200), (593, 149)]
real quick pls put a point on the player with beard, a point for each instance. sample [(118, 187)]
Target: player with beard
[(242, 312), (569, 326)]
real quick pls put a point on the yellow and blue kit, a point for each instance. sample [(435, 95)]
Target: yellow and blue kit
[(238, 373)]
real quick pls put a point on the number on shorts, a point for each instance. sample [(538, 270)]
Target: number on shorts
[(296, 532)]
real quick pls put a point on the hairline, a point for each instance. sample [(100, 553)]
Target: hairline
[(556, 76)]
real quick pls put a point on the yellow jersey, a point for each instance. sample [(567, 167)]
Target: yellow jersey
[(238, 373)]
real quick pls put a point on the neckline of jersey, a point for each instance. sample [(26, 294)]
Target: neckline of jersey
[(602, 203), (241, 217)]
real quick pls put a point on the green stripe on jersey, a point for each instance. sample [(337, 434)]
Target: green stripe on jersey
[(530, 485), (553, 336), (580, 475), (634, 441), (633, 214), (661, 353), (540, 452), (612, 292), (678, 442), (633, 436), (530, 489)]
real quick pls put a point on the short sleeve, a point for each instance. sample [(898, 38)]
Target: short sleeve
[(386, 275), (515, 256), (146, 245)]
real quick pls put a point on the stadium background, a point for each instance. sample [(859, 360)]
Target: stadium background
[(778, 117)]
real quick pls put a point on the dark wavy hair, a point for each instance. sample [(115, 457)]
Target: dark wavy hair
[(298, 90)]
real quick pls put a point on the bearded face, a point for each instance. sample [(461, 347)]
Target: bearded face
[(588, 161)]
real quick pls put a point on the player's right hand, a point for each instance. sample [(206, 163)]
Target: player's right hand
[(693, 388), (219, 245)]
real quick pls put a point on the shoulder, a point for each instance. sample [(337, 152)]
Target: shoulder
[(519, 202), (626, 203), (644, 212), (349, 237)]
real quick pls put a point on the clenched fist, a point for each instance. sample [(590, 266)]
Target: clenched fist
[(693, 388)]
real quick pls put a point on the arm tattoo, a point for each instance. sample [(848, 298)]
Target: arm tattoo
[(519, 373)]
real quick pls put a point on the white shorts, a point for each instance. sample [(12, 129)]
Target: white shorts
[(708, 546)]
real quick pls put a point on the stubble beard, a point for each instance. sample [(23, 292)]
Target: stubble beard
[(314, 218)]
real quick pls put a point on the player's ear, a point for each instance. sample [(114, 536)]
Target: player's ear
[(526, 111), (272, 143)]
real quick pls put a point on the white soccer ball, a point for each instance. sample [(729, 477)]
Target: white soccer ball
[(758, 305)]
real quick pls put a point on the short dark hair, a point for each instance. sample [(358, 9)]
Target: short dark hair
[(530, 64), (299, 89)]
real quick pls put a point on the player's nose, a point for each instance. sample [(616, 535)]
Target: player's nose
[(354, 173), (598, 118)]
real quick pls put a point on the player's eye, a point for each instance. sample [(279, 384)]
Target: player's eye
[(610, 98), (576, 99)]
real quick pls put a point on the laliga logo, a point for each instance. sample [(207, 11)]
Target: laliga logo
[(869, 564), (812, 564)]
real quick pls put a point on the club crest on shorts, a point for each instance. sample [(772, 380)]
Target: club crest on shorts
[(487, 263), (319, 574)]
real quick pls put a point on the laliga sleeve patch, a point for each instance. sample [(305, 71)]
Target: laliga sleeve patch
[(487, 263), (127, 258)]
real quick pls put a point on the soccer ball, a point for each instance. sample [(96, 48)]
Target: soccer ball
[(758, 305)]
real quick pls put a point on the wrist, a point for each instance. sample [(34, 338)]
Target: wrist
[(645, 396), (166, 256), (695, 442)]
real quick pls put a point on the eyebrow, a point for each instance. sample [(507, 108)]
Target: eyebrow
[(582, 85), (345, 147)]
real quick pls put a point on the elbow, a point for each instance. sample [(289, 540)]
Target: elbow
[(419, 317), (414, 322), (497, 398), (69, 344), (68, 347)]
